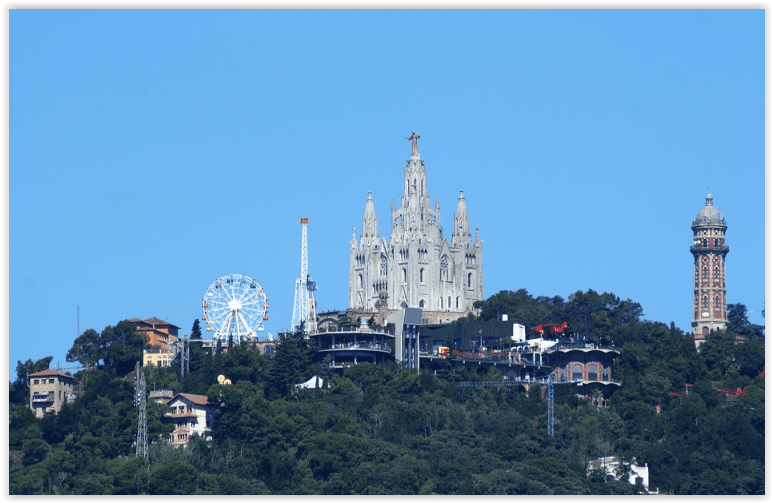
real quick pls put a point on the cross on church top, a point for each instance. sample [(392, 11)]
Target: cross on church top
[(414, 137)]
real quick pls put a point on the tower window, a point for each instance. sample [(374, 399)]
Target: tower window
[(421, 303), (421, 275), (716, 301), (705, 301), (705, 273), (469, 280), (716, 242), (405, 275), (705, 243), (716, 272)]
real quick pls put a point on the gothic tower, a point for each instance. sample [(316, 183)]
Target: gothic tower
[(709, 251)]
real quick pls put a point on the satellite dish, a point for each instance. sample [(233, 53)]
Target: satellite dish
[(220, 378)]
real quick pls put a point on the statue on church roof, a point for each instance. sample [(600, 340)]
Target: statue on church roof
[(415, 148)]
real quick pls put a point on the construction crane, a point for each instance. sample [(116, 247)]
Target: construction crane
[(515, 382), (304, 307)]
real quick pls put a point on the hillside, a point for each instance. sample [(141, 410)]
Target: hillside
[(380, 430)]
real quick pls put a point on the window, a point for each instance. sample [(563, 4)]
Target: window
[(441, 302), (421, 275), (421, 303), (716, 242), (576, 372), (359, 284), (469, 280), (705, 273), (457, 303), (592, 372), (716, 272), (705, 301), (444, 268), (449, 302), (384, 268), (705, 243), (36, 381), (51, 381), (716, 301), (405, 275)]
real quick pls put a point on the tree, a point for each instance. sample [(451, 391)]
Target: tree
[(118, 348), (196, 330)]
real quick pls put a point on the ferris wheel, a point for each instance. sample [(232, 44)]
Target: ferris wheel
[(235, 306)]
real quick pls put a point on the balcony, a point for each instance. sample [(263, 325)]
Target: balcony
[(710, 249), (42, 398), (190, 413)]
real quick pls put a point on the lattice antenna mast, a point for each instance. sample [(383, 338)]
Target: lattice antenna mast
[(142, 422)]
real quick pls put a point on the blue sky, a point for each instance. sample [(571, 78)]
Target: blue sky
[(153, 151)]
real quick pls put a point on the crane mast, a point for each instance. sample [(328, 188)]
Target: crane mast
[(304, 307)]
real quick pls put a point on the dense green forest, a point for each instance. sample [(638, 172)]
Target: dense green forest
[(382, 430)]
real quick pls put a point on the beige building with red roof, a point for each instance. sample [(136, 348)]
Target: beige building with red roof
[(50, 389), (192, 415)]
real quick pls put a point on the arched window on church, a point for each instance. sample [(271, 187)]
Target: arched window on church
[(457, 303), (705, 273), (716, 301), (421, 303), (405, 275), (421, 275), (705, 301), (469, 280), (444, 268), (441, 302), (716, 272), (449, 302), (384, 267), (359, 283), (705, 243)]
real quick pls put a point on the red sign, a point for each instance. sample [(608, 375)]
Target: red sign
[(304, 220)]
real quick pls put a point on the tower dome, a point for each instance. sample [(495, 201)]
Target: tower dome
[(709, 214)]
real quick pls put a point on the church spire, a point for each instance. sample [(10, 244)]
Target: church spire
[(461, 235), (369, 219)]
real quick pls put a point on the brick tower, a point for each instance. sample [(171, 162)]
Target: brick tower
[(709, 251)]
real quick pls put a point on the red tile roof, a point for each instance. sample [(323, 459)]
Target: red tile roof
[(198, 399), (49, 372), (156, 321)]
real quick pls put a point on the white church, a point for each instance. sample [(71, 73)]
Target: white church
[(417, 267)]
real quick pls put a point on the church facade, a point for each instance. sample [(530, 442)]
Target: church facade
[(417, 267)]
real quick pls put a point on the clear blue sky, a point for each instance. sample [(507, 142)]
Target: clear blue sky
[(153, 151)]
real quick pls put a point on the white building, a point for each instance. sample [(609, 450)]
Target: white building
[(417, 267), (611, 465), (192, 415)]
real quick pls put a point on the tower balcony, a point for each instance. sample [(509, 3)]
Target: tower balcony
[(710, 249)]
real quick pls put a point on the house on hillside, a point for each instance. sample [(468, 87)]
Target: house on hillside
[(157, 332), (50, 389), (613, 469), (192, 415)]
